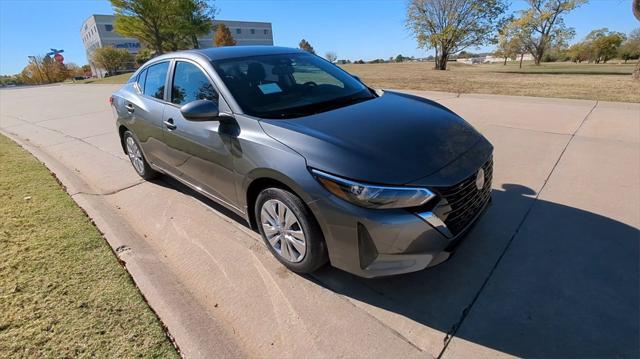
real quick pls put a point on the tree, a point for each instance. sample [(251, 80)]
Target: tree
[(86, 70), (143, 56), (544, 26), (400, 58), (194, 18), (145, 20), (604, 44), (636, 13), (450, 26), (73, 70), (510, 42), (331, 56), (223, 36), (630, 49), (164, 24), (581, 51), (111, 59), (306, 46)]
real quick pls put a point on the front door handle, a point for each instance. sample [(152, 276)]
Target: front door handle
[(169, 123), (129, 107)]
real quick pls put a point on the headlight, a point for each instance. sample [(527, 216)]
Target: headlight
[(372, 196)]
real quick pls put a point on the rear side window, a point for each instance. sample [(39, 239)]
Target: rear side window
[(155, 80), (141, 78), (190, 84)]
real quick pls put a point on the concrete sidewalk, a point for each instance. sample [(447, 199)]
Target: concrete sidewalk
[(552, 269)]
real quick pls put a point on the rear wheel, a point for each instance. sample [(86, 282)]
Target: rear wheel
[(290, 231), (136, 157)]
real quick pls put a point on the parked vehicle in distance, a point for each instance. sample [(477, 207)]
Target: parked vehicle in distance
[(325, 168)]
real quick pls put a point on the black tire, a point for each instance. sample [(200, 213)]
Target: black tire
[(145, 171), (316, 250)]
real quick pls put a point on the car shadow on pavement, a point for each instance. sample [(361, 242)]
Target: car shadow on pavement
[(567, 285), (563, 282), (171, 183)]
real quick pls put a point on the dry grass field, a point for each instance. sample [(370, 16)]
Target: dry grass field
[(604, 82)]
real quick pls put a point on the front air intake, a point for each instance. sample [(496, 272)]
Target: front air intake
[(366, 248)]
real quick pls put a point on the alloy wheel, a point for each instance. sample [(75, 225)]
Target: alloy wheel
[(135, 155), (283, 230)]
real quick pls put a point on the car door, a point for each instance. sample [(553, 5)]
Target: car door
[(146, 109), (201, 151)]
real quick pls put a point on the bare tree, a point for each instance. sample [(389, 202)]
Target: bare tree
[(450, 26), (636, 13), (331, 56), (544, 25)]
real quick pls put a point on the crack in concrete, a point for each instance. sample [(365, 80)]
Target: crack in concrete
[(465, 312), (108, 193)]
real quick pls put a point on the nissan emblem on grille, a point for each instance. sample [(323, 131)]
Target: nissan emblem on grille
[(480, 179)]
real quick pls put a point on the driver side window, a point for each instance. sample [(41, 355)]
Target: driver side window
[(190, 84)]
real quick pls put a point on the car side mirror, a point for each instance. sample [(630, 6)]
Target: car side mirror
[(200, 110)]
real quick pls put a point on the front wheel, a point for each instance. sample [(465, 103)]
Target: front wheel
[(290, 231), (136, 157)]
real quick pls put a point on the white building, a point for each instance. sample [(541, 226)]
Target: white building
[(98, 31)]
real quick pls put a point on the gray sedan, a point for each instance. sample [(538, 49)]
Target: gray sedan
[(325, 168)]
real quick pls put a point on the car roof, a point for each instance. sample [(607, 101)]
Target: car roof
[(229, 52)]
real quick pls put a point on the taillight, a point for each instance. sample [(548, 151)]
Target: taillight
[(110, 100)]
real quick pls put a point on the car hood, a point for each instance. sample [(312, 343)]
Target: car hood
[(392, 139)]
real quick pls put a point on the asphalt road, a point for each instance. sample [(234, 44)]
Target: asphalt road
[(551, 270)]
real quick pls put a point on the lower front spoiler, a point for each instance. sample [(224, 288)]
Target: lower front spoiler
[(423, 245), (393, 264)]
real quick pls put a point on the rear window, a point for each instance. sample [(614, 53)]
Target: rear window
[(141, 79), (155, 80)]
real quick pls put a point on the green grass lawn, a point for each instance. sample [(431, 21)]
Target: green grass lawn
[(62, 291)]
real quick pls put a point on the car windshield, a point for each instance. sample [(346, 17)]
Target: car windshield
[(289, 85)]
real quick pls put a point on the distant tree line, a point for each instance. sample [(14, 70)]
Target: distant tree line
[(43, 69), (602, 45)]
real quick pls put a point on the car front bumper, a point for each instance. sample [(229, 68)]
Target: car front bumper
[(372, 243)]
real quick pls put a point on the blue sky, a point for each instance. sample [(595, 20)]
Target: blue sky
[(354, 29)]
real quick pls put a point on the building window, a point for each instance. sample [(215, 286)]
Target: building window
[(238, 31), (253, 31), (108, 27), (265, 31)]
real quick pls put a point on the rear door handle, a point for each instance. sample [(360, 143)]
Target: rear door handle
[(129, 108), (169, 123)]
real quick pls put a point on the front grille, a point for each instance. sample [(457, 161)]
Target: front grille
[(461, 203)]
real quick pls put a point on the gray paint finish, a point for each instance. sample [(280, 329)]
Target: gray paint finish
[(390, 139)]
